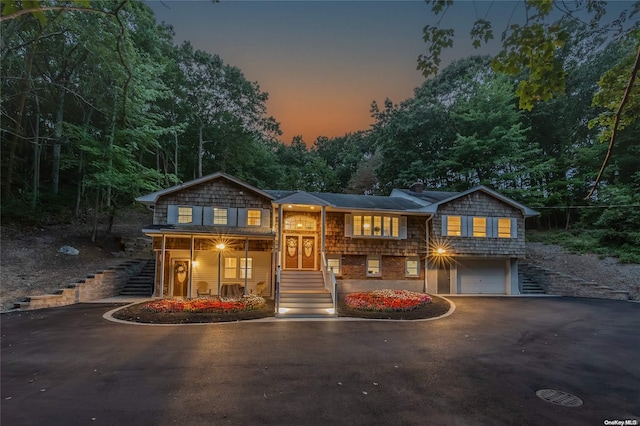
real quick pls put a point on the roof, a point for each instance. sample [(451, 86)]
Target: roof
[(526, 211), (152, 198), (428, 196), (345, 201)]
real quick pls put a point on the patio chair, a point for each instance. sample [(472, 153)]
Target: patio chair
[(203, 289)]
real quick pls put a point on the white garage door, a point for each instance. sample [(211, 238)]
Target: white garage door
[(482, 276)]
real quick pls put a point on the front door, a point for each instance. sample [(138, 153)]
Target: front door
[(180, 278), (300, 252)]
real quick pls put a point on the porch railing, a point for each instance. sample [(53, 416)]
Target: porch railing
[(330, 283)]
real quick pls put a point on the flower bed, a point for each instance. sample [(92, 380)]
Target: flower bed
[(245, 303), (386, 300)]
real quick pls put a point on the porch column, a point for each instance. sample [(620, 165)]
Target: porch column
[(279, 234), (190, 267), (324, 219), (246, 263), (159, 292)]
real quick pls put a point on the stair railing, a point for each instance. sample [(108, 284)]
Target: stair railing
[(330, 283), (277, 289)]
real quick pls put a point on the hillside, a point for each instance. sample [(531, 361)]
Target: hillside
[(31, 265)]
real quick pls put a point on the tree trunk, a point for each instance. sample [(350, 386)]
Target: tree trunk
[(175, 153), (111, 140), (79, 188), (37, 149), (94, 233), (200, 150), (57, 144)]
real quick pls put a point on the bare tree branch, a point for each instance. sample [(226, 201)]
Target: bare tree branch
[(616, 122)]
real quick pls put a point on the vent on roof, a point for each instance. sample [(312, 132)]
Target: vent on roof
[(418, 186)]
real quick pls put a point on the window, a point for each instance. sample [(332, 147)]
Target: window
[(230, 267), (454, 226), (479, 226), (300, 222), (412, 267), (357, 225), (376, 226), (373, 266), (219, 216), (246, 264), (334, 262), (253, 217), (504, 227), (185, 215)]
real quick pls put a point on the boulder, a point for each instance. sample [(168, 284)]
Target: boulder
[(69, 250)]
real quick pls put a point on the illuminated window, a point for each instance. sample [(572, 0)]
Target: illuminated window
[(219, 216), (185, 215), (376, 226), (254, 217), (373, 266), (230, 267), (386, 226), (412, 267), (504, 227), (366, 225), (479, 226), (357, 225), (334, 263), (454, 226), (246, 265), (300, 223)]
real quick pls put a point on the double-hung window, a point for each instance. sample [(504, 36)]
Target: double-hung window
[(504, 227), (454, 226), (246, 268), (185, 215), (254, 217), (374, 266), (230, 267), (479, 226), (333, 263), (220, 216), (412, 267)]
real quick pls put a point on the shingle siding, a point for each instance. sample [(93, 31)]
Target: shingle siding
[(481, 205), (337, 243), (219, 193)]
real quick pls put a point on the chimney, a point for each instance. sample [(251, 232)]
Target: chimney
[(418, 186)]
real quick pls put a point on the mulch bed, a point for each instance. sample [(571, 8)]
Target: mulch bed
[(437, 307)]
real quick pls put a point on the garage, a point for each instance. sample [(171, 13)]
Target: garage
[(482, 276)]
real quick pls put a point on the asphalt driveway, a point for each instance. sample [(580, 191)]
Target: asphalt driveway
[(480, 366)]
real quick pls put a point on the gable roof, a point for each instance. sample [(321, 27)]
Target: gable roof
[(152, 198), (526, 211)]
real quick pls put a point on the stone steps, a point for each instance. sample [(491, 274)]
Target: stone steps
[(302, 295), (565, 285)]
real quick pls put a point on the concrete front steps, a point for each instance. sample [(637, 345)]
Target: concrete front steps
[(566, 285), (302, 295), (142, 283)]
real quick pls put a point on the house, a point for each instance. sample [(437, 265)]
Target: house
[(219, 235)]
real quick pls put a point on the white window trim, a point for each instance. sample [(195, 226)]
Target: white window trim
[(396, 221), (249, 268), (406, 269), (190, 215), (233, 268), (339, 259), (379, 259), (226, 216)]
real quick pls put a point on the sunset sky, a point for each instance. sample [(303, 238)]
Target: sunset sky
[(323, 63)]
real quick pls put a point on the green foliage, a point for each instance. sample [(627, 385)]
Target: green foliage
[(595, 241)]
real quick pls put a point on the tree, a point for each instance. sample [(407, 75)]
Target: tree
[(529, 52)]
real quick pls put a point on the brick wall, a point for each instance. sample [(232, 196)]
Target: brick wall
[(354, 267)]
